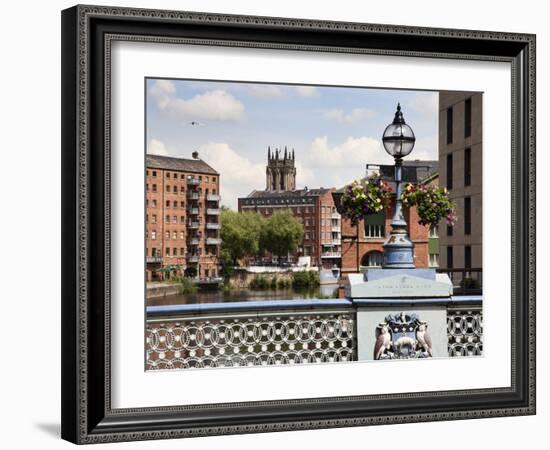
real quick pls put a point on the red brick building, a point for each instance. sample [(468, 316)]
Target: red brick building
[(314, 207), (362, 244), (182, 218)]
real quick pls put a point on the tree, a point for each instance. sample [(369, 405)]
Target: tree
[(240, 234), (281, 234)]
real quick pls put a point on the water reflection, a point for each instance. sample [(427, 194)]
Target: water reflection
[(221, 296)]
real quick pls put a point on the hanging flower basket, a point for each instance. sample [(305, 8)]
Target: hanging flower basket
[(432, 204), (362, 198)]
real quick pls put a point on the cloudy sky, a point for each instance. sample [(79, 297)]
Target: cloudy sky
[(335, 131)]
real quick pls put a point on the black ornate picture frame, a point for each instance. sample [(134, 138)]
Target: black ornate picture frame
[(87, 35)]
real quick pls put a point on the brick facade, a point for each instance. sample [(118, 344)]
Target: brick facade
[(182, 218)]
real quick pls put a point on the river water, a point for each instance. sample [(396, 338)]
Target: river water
[(221, 296)]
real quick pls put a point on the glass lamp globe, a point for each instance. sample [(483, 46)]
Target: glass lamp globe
[(398, 137)]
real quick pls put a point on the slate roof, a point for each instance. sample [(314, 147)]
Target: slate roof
[(179, 164)]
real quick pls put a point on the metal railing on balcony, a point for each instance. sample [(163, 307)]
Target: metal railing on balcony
[(281, 332), (193, 181), (213, 211), (213, 226), (193, 211), (193, 195), (191, 258), (331, 255), (213, 241), (335, 215), (213, 198), (154, 259), (193, 241), (193, 225)]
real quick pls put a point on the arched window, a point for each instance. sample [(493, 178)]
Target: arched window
[(372, 259)]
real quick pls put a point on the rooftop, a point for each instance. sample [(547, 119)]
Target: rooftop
[(289, 194), (178, 164)]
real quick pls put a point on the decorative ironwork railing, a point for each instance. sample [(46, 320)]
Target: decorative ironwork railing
[(280, 332), (268, 337), (465, 330)]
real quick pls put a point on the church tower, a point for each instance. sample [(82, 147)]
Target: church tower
[(280, 170)]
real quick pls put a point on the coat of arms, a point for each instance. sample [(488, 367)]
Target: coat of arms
[(402, 336)]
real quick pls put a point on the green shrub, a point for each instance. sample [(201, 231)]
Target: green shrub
[(260, 282), (305, 279), (185, 285)]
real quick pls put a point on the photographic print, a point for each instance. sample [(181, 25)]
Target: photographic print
[(298, 224)]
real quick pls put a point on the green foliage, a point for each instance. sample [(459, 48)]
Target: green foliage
[(362, 198), (261, 282), (281, 234), (432, 204), (240, 234), (185, 285), (305, 278)]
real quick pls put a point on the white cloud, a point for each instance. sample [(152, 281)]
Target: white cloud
[(352, 153), (212, 105), (156, 147), (266, 91), (238, 175), (425, 149), (355, 115), (307, 91)]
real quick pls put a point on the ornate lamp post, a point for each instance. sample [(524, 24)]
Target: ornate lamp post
[(398, 140)]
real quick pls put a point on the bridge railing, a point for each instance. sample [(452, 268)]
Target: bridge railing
[(278, 332)]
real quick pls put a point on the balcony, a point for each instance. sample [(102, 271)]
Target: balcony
[(192, 258), (154, 259), (331, 255), (213, 211), (291, 332), (213, 241), (193, 225), (213, 226), (193, 181), (193, 211), (193, 241), (213, 198), (193, 195), (335, 215)]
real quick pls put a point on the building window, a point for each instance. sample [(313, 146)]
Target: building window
[(154, 203), (167, 188), (154, 218), (154, 187), (182, 219), (375, 225), (167, 218), (174, 219), (449, 230), (153, 234), (467, 257), (174, 234), (175, 251), (468, 118), (168, 203), (434, 260), (154, 173), (147, 187), (434, 231), (450, 257), (167, 235), (449, 125), (182, 251), (467, 215), (146, 218), (372, 259), (167, 174), (181, 235), (450, 171), (467, 166), (167, 251)]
